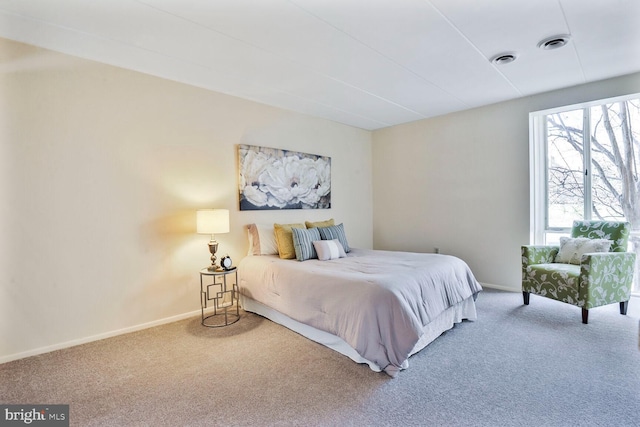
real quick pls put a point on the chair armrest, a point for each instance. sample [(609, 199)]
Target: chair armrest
[(606, 277), (538, 254)]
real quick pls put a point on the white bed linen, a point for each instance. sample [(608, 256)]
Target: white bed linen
[(377, 302), (464, 310)]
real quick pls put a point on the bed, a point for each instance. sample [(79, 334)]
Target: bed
[(376, 307)]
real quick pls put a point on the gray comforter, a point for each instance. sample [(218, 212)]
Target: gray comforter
[(376, 301)]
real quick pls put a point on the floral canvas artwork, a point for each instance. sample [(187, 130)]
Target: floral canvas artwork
[(271, 178)]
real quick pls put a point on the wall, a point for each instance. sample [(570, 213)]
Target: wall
[(102, 170), (460, 182)]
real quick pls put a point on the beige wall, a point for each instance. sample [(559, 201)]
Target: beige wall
[(460, 182), (102, 171)]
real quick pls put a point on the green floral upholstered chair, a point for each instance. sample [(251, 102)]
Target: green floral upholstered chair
[(589, 269)]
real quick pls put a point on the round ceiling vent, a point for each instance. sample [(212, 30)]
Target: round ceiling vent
[(504, 58), (554, 42)]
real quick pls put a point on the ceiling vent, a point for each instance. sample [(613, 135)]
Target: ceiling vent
[(504, 58), (554, 42)]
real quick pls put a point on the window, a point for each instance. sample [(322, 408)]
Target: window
[(585, 164)]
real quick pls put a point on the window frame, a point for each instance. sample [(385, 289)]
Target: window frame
[(538, 167)]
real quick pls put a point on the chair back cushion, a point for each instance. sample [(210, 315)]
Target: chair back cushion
[(617, 231)]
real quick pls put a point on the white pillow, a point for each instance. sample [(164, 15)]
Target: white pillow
[(329, 249), (262, 239), (572, 249)]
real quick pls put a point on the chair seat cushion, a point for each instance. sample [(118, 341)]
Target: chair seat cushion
[(565, 270), (558, 281)]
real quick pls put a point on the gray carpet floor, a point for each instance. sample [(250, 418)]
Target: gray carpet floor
[(535, 365)]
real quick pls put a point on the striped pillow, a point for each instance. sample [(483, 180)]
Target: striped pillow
[(303, 239), (335, 232)]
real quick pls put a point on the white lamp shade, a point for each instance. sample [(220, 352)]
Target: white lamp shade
[(212, 221)]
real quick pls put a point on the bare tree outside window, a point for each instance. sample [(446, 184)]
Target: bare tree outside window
[(607, 187)]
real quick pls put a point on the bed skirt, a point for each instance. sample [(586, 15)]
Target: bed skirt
[(464, 310)]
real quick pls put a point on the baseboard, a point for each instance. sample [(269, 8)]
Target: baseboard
[(499, 287), (73, 343)]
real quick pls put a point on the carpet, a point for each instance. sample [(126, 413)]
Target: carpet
[(517, 365)]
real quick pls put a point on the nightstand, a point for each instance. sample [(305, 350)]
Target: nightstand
[(221, 294)]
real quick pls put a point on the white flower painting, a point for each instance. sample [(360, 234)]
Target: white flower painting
[(271, 178)]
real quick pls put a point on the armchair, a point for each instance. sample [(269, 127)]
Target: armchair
[(590, 269)]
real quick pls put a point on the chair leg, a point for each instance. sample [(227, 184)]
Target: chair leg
[(623, 307), (525, 296), (585, 315)]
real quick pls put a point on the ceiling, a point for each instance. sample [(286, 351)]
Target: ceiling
[(365, 63)]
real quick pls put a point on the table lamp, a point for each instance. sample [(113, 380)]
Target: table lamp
[(212, 221)]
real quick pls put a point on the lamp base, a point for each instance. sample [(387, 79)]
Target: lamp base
[(213, 247)]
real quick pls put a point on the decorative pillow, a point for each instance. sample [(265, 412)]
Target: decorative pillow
[(303, 240), (572, 249), (327, 223), (284, 239), (262, 240), (329, 249), (335, 232)]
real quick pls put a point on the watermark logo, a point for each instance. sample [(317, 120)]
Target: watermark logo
[(34, 415)]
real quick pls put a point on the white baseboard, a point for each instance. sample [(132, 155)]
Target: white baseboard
[(73, 343), (500, 288)]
